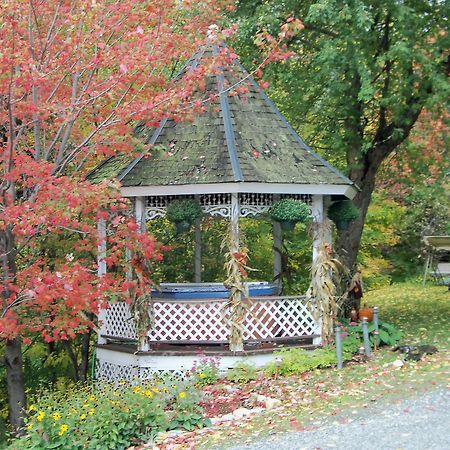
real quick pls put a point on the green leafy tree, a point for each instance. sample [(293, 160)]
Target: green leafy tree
[(360, 75)]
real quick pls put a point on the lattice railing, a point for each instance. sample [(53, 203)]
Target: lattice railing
[(207, 320), (278, 317)]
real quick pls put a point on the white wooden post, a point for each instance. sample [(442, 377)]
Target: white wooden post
[(321, 235), (234, 247), (234, 222), (139, 214), (101, 270)]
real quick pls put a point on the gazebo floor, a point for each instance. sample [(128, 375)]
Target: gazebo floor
[(219, 349)]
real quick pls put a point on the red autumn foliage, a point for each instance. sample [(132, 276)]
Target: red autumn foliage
[(76, 77), (424, 160), (56, 284)]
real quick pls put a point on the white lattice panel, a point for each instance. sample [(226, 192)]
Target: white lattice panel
[(207, 320), (190, 320), (278, 317), (110, 372), (118, 322)]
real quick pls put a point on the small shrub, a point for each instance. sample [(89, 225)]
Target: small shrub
[(343, 210), (109, 418), (189, 420), (297, 360), (388, 334), (289, 209), (242, 372), (205, 371)]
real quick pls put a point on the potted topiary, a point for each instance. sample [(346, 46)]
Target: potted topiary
[(183, 213), (342, 213), (288, 212)]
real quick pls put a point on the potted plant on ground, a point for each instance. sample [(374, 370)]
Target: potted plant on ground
[(183, 213), (289, 211), (342, 213)]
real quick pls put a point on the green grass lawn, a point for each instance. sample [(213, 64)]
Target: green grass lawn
[(422, 314)]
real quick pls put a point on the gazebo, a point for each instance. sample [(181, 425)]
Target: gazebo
[(236, 159)]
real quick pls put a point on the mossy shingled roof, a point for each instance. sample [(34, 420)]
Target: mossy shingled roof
[(241, 137)]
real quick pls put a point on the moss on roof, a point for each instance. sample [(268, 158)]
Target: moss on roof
[(267, 149)]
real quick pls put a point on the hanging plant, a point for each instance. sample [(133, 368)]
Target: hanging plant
[(183, 213), (289, 211), (342, 213)]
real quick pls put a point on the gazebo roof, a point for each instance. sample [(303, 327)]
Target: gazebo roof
[(242, 143)]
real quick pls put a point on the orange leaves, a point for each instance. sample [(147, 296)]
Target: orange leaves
[(84, 68)]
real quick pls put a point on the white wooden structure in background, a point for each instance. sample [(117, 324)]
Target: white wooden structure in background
[(435, 265)]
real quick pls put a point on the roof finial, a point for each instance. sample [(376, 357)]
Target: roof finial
[(212, 32)]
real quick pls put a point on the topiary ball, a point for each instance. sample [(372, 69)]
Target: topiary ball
[(187, 210), (290, 210), (343, 210)]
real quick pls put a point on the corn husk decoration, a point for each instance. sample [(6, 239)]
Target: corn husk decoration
[(141, 306), (237, 304), (324, 291)]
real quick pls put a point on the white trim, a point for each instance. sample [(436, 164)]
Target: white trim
[(101, 270), (318, 217), (139, 211), (219, 188), (176, 363)]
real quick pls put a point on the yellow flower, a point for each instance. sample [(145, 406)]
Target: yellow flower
[(32, 408), (56, 416), (83, 417), (137, 389), (29, 426), (182, 394), (91, 411), (92, 398), (86, 405), (62, 429), (40, 416), (201, 375), (148, 394), (155, 390)]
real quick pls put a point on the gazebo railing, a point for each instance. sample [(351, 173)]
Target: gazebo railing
[(207, 320)]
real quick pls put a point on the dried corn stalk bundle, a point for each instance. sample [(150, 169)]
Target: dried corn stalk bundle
[(141, 306), (325, 291), (237, 304)]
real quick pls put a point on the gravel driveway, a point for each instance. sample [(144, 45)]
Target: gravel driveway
[(417, 423)]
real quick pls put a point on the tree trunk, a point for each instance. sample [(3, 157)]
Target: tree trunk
[(15, 383), (73, 359), (348, 241), (13, 347), (84, 367)]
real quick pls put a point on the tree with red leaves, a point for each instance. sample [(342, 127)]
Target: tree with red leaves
[(75, 78)]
